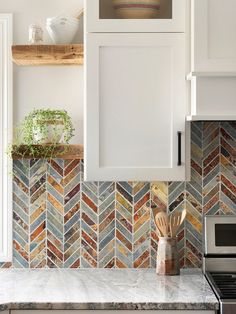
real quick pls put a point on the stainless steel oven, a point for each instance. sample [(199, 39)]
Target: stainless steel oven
[(220, 235), (219, 261)]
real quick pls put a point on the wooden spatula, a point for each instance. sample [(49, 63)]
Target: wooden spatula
[(183, 216), (162, 222), (176, 220)]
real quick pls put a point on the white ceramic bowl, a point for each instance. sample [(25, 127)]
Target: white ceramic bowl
[(62, 33), (62, 19)]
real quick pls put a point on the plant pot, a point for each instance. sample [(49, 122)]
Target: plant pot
[(52, 132), (167, 257), (136, 9)]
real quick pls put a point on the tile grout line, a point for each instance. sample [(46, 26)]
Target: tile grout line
[(150, 226), (167, 198), (63, 214), (220, 168), (132, 224), (46, 216), (80, 214), (202, 137), (115, 245), (29, 162), (98, 213), (185, 205)]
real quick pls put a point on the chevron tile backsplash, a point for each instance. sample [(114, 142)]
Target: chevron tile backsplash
[(61, 221)]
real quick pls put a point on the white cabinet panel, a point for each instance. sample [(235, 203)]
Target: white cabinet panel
[(213, 37), (100, 17), (128, 101), (214, 96), (135, 106)]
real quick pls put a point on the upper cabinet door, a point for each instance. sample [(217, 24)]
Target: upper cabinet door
[(151, 16), (135, 107), (214, 35)]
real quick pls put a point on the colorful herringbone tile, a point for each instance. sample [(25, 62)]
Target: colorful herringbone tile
[(193, 223), (61, 221)]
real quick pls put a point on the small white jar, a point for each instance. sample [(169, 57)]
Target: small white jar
[(35, 34)]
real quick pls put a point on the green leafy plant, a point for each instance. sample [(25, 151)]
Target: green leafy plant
[(42, 133), (38, 120)]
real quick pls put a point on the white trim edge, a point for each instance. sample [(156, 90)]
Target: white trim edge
[(6, 101)]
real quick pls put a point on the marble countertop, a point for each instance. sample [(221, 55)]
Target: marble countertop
[(104, 289)]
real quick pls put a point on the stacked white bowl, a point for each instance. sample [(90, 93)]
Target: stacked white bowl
[(62, 29)]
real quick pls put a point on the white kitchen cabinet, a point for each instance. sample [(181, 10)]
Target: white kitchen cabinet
[(213, 98), (213, 65), (213, 36), (135, 107), (101, 17), (107, 312)]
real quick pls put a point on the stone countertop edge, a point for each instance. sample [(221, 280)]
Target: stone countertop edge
[(109, 306), (104, 290)]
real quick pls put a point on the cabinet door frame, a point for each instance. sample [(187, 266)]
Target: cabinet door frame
[(174, 25), (93, 171), (201, 61), (5, 138)]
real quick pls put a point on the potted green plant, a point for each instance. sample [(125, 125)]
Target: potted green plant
[(41, 131), (47, 127)]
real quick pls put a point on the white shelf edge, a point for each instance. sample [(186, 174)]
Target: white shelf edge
[(210, 74), (211, 118)]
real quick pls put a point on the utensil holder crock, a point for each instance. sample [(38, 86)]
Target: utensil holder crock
[(167, 257)]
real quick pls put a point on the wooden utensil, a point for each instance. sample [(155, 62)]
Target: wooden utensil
[(162, 222), (79, 14), (176, 220), (154, 212), (184, 213)]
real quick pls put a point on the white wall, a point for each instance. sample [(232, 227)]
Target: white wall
[(45, 87)]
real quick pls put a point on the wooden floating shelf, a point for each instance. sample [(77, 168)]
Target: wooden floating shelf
[(60, 151), (211, 118), (39, 55)]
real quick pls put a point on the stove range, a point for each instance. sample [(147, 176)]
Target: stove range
[(224, 286), (219, 262)]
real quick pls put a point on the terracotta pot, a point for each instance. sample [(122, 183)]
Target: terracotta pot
[(136, 9), (167, 257)]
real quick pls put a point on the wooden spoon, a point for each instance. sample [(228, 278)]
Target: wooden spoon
[(176, 220), (162, 222), (154, 212)]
